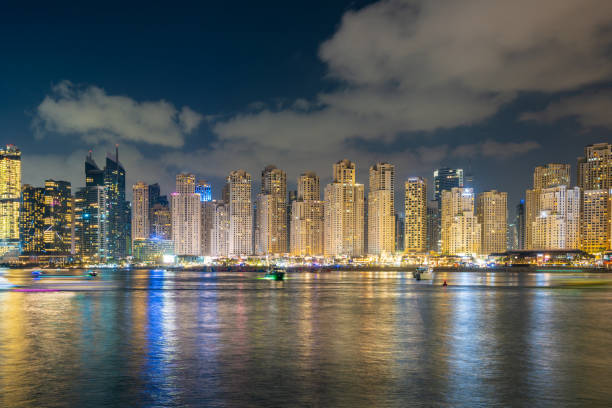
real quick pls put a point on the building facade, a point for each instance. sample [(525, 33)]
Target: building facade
[(415, 224), (381, 210), (240, 213), (461, 231), (10, 197), (344, 213), (307, 217), (595, 221), (272, 213), (492, 213), (186, 217), (557, 224), (141, 211)]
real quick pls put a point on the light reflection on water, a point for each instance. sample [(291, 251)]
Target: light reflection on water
[(164, 338)]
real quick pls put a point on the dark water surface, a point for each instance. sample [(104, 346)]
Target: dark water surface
[(339, 339)]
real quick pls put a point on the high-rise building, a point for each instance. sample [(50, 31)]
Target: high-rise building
[(161, 222), (595, 168), (117, 214), (415, 224), (272, 212), (93, 210), (307, 217), (595, 220), (557, 224), (186, 217), (204, 189), (520, 225), (595, 180), (140, 212), (57, 235), (344, 213), (460, 227), (492, 212), (221, 230), (240, 213), (433, 226), (399, 231), (10, 195), (208, 226), (31, 220), (446, 179), (551, 175), (154, 194), (381, 210)]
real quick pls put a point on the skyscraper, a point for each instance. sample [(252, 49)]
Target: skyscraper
[(595, 220), (415, 224), (446, 179), (186, 217), (118, 225), (57, 235), (492, 211), (161, 222), (595, 179), (460, 228), (307, 217), (551, 175), (272, 212), (10, 194), (557, 224), (208, 226), (31, 220), (520, 225), (204, 189), (94, 214), (595, 168), (140, 212), (399, 231), (433, 226), (381, 210), (240, 213), (344, 213), (221, 230)]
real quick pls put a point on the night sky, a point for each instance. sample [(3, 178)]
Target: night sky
[(494, 87)]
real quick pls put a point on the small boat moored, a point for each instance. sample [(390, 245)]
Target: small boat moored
[(92, 273)]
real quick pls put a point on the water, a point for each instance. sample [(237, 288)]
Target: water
[(345, 339)]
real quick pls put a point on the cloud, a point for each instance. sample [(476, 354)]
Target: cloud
[(590, 109), (95, 116), (491, 148), (407, 66)]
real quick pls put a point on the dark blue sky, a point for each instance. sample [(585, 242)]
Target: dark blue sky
[(258, 76)]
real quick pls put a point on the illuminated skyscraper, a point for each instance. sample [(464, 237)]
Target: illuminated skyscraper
[(460, 228), (186, 217), (117, 213), (272, 212), (595, 220), (595, 168), (344, 213), (415, 224), (551, 175), (446, 179), (94, 214), (520, 225), (557, 224), (307, 217), (221, 230), (381, 210), (31, 220), (240, 213), (204, 189), (208, 209), (492, 211), (10, 195), (161, 222), (140, 212), (57, 235)]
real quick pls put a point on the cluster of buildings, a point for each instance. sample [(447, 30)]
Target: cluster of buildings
[(95, 224)]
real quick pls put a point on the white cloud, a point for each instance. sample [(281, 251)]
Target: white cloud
[(95, 116), (422, 65), (590, 109), (491, 148)]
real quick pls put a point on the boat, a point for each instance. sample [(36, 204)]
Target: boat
[(92, 273), (276, 274), (423, 273)]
